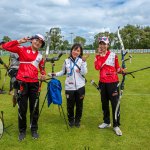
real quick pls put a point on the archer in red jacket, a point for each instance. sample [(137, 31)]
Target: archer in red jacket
[(27, 80), (107, 64)]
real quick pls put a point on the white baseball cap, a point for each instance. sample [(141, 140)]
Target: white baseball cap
[(40, 37)]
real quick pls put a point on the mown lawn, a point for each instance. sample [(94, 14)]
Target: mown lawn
[(135, 116)]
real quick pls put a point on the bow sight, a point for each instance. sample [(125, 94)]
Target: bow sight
[(52, 60)]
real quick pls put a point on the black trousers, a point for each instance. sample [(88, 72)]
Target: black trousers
[(110, 91), (75, 98), (28, 91)]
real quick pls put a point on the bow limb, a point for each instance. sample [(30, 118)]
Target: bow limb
[(48, 45), (123, 53), (46, 52), (43, 66), (48, 39), (120, 39), (47, 48)]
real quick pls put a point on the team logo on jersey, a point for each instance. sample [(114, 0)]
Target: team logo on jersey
[(28, 51)]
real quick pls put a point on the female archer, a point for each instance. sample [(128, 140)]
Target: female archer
[(27, 80), (74, 67), (106, 62)]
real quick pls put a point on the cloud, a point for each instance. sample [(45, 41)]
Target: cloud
[(81, 17), (60, 2)]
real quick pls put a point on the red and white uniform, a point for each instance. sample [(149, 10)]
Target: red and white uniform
[(30, 61), (108, 66)]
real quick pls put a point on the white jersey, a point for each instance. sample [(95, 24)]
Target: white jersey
[(111, 60), (74, 79)]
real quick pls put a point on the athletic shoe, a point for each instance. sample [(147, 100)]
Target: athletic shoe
[(71, 124), (2, 91), (77, 124), (21, 136), (104, 125), (35, 135), (117, 131), (11, 92)]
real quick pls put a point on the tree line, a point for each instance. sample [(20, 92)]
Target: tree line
[(133, 37)]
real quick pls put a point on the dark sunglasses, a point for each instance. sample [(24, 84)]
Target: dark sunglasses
[(103, 39)]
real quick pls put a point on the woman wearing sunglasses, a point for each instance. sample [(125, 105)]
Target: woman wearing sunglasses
[(106, 62)]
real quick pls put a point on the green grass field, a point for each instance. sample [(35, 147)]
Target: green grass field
[(135, 116)]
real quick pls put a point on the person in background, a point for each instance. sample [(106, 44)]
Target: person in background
[(106, 62), (27, 80), (74, 67), (13, 69)]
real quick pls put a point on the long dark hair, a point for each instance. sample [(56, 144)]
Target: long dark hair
[(76, 46)]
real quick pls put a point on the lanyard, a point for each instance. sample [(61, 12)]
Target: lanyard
[(72, 67)]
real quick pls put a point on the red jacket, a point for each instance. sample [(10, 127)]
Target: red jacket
[(108, 72), (30, 61)]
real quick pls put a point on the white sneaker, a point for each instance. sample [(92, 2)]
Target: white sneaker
[(104, 125), (118, 131)]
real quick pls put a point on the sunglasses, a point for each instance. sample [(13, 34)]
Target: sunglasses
[(103, 39)]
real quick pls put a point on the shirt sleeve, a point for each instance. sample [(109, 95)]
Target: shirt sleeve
[(117, 66), (97, 62), (42, 67), (83, 70), (12, 46), (63, 71)]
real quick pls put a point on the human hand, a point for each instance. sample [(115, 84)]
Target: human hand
[(43, 77), (24, 40), (85, 57), (51, 74), (122, 70)]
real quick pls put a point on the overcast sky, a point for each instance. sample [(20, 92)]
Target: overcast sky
[(19, 18)]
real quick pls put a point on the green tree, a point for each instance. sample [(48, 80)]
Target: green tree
[(135, 37), (146, 42), (55, 38), (6, 39), (88, 47), (79, 39), (64, 45)]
